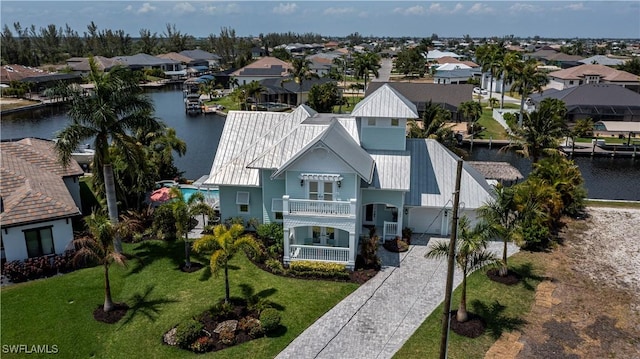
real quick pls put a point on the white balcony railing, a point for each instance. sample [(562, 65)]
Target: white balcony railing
[(300, 252), (308, 207), (390, 230)]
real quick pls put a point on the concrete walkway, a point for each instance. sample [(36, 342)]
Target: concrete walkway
[(378, 318)]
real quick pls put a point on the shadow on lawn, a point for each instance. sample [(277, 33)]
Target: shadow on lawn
[(497, 323), (248, 293), (528, 278), (148, 252), (141, 304)]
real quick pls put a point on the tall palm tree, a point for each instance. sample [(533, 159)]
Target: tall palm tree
[(224, 243), (471, 111), (502, 215), (300, 71), (114, 109), (541, 130), (98, 247), (470, 254), (184, 213), (252, 89), (507, 71), (365, 64), (527, 79)]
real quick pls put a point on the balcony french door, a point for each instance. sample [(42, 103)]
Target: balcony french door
[(321, 190)]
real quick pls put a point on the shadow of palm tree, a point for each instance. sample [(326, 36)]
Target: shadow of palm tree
[(149, 251), (497, 323), (527, 276), (260, 298), (205, 274), (141, 304)]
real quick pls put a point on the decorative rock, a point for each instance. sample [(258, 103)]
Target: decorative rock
[(227, 325), (170, 337)]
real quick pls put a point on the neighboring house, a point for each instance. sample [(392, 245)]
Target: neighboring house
[(38, 198), (600, 102), (141, 61), (453, 60), (288, 91), (81, 64), (37, 79), (628, 130), (448, 96), (592, 74), (212, 60), (262, 69), (457, 76), (328, 178), (434, 55), (605, 60)]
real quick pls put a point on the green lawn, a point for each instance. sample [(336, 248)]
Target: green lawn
[(492, 129), (502, 306), (58, 310), (225, 101)]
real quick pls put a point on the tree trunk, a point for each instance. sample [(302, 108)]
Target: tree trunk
[(187, 251), (503, 268), (227, 296), (502, 97), (108, 303), (112, 202), (520, 119), (461, 315)]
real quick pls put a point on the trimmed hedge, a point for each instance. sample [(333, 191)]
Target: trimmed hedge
[(318, 269)]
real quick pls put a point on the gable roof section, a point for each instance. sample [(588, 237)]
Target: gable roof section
[(337, 140), (392, 170), (31, 184), (265, 66), (144, 60), (385, 101), (176, 57), (433, 177), (604, 60), (245, 135), (593, 95), (420, 93), (198, 54)]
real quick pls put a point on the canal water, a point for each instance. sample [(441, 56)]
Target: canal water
[(605, 178)]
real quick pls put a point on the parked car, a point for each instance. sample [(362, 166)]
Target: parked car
[(479, 91)]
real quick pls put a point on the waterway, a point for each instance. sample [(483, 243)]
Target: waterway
[(605, 178)]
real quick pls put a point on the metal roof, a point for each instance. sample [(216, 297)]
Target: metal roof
[(385, 102), (392, 170), (433, 177)]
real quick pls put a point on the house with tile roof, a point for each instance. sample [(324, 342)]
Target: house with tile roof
[(264, 68), (38, 198), (592, 74), (330, 178)]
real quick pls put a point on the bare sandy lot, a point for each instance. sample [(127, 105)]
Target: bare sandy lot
[(594, 284)]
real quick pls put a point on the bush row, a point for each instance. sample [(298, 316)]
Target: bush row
[(38, 267)]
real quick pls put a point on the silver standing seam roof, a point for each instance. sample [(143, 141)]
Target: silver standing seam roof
[(385, 102), (392, 170)]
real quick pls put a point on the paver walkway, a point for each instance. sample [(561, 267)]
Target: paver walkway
[(377, 319)]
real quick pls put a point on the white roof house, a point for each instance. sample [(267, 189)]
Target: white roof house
[(325, 176)]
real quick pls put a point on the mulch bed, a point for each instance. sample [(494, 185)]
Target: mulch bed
[(195, 266), (472, 328), (395, 246), (113, 316), (510, 279)]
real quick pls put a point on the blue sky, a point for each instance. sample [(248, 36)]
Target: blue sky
[(568, 19)]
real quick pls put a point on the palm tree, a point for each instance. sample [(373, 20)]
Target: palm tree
[(225, 242), (184, 213), (434, 126), (300, 71), (502, 215), (99, 247), (114, 108), (527, 79), (541, 130), (252, 89), (470, 254), (507, 69), (365, 64), (471, 111), (566, 179)]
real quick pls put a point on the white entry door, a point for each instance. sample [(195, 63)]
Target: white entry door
[(321, 190)]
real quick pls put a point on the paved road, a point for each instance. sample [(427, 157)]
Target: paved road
[(378, 318), (384, 73)]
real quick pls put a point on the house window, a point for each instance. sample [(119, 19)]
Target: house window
[(242, 200), (39, 242), (395, 122), (371, 122), (276, 208)]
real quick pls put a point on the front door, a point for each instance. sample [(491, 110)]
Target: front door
[(323, 235), (369, 214), (321, 190)]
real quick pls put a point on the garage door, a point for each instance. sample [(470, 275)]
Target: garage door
[(425, 220)]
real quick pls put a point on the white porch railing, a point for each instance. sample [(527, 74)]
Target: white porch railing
[(319, 253), (318, 208), (390, 230)]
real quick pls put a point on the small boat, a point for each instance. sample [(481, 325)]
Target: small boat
[(192, 104), (83, 155)]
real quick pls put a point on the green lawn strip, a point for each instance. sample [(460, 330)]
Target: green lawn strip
[(503, 307), (226, 101), (59, 310), (492, 129), (612, 204)]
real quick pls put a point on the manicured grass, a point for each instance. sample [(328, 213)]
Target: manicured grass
[(492, 129), (607, 140), (352, 101), (612, 204), (225, 101), (503, 307), (58, 310)]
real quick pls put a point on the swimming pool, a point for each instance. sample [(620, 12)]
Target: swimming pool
[(210, 194)]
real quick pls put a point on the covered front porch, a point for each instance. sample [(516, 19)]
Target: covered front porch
[(322, 243)]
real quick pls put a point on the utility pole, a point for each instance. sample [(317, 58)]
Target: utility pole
[(450, 261)]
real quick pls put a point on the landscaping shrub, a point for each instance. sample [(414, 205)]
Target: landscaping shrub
[(38, 267), (270, 319), (369, 251), (164, 224), (187, 332), (272, 236), (227, 336), (202, 345), (275, 266), (318, 269), (252, 326)]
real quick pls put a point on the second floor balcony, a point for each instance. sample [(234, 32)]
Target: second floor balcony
[(307, 207)]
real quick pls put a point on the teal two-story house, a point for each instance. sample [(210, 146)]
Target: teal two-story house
[(329, 177)]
